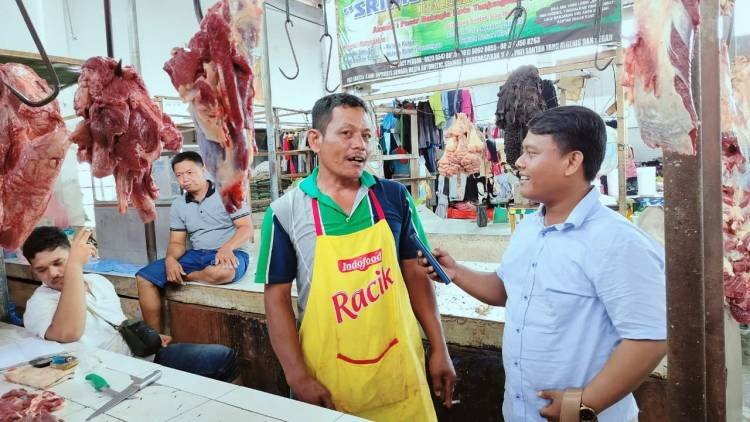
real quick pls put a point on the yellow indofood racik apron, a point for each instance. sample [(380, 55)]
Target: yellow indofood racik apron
[(359, 335)]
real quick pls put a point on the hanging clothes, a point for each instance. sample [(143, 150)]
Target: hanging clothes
[(405, 132), (404, 125), (396, 168), (467, 106), (288, 144), (471, 193), (436, 104), (427, 131), (457, 187), (302, 144), (430, 159), (549, 93), (492, 151), (453, 97), (446, 105)]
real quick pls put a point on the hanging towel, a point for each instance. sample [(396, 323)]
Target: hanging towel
[(467, 106), (436, 103)]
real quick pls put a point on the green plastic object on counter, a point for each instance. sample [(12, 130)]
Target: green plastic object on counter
[(98, 382)]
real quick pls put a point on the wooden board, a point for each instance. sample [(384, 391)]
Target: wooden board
[(20, 291)]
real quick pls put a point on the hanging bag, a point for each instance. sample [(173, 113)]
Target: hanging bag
[(141, 338)]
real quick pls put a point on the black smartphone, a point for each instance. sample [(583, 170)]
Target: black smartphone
[(431, 259), (42, 362)]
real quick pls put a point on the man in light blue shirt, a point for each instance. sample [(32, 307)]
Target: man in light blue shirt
[(584, 289)]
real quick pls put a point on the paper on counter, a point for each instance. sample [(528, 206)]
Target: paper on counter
[(26, 349)]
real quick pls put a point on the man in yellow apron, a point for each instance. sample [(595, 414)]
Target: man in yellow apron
[(343, 235)]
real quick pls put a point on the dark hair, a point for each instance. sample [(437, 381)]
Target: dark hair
[(574, 128), (44, 238), (187, 156), (323, 108)]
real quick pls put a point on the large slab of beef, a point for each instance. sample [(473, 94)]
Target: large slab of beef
[(122, 131), (657, 73), (214, 76), (22, 405), (735, 145), (33, 143)]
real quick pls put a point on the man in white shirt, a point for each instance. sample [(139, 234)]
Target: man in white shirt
[(61, 308)]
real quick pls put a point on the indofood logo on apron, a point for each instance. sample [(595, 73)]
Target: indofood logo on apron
[(349, 305), (362, 262)]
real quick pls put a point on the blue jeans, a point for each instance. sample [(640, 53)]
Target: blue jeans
[(208, 360)]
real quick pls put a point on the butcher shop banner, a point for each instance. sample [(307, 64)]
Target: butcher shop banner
[(424, 29)]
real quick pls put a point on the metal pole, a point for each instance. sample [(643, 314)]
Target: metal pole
[(4, 295), (135, 45), (149, 229), (108, 28), (683, 233), (693, 233), (622, 136), (713, 248), (271, 125)]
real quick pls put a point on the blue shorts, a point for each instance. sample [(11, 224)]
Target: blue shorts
[(193, 260)]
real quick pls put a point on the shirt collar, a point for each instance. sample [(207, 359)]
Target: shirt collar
[(309, 184), (211, 189), (582, 210)]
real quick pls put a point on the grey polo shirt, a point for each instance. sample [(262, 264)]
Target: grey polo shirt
[(207, 223)]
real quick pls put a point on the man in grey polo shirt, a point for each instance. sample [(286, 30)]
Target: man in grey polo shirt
[(219, 239)]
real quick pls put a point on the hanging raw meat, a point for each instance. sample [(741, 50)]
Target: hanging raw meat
[(657, 73), (518, 101), (741, 84), (214, 76), (735, 144), (122, 131), (33, 143)]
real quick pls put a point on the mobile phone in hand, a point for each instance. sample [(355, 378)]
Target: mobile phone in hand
[(431, 259)]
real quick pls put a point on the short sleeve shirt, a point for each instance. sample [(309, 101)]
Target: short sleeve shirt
[(207, 223), (101, 297)]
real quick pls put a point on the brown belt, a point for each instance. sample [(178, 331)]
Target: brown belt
[(571, 405)]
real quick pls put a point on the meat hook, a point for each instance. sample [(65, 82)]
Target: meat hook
[(287, 24), (326, 34), (108, 33), (518, 12), (118, 68), (198, 10), (45, 59), (597, 31), (395, 38)]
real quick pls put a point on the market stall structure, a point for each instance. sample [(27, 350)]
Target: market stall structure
[(701, 381)]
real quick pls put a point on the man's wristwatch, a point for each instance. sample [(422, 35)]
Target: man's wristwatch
[(587, 414), (572, 408)]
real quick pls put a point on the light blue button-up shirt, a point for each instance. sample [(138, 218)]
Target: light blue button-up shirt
[(575, 290)]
